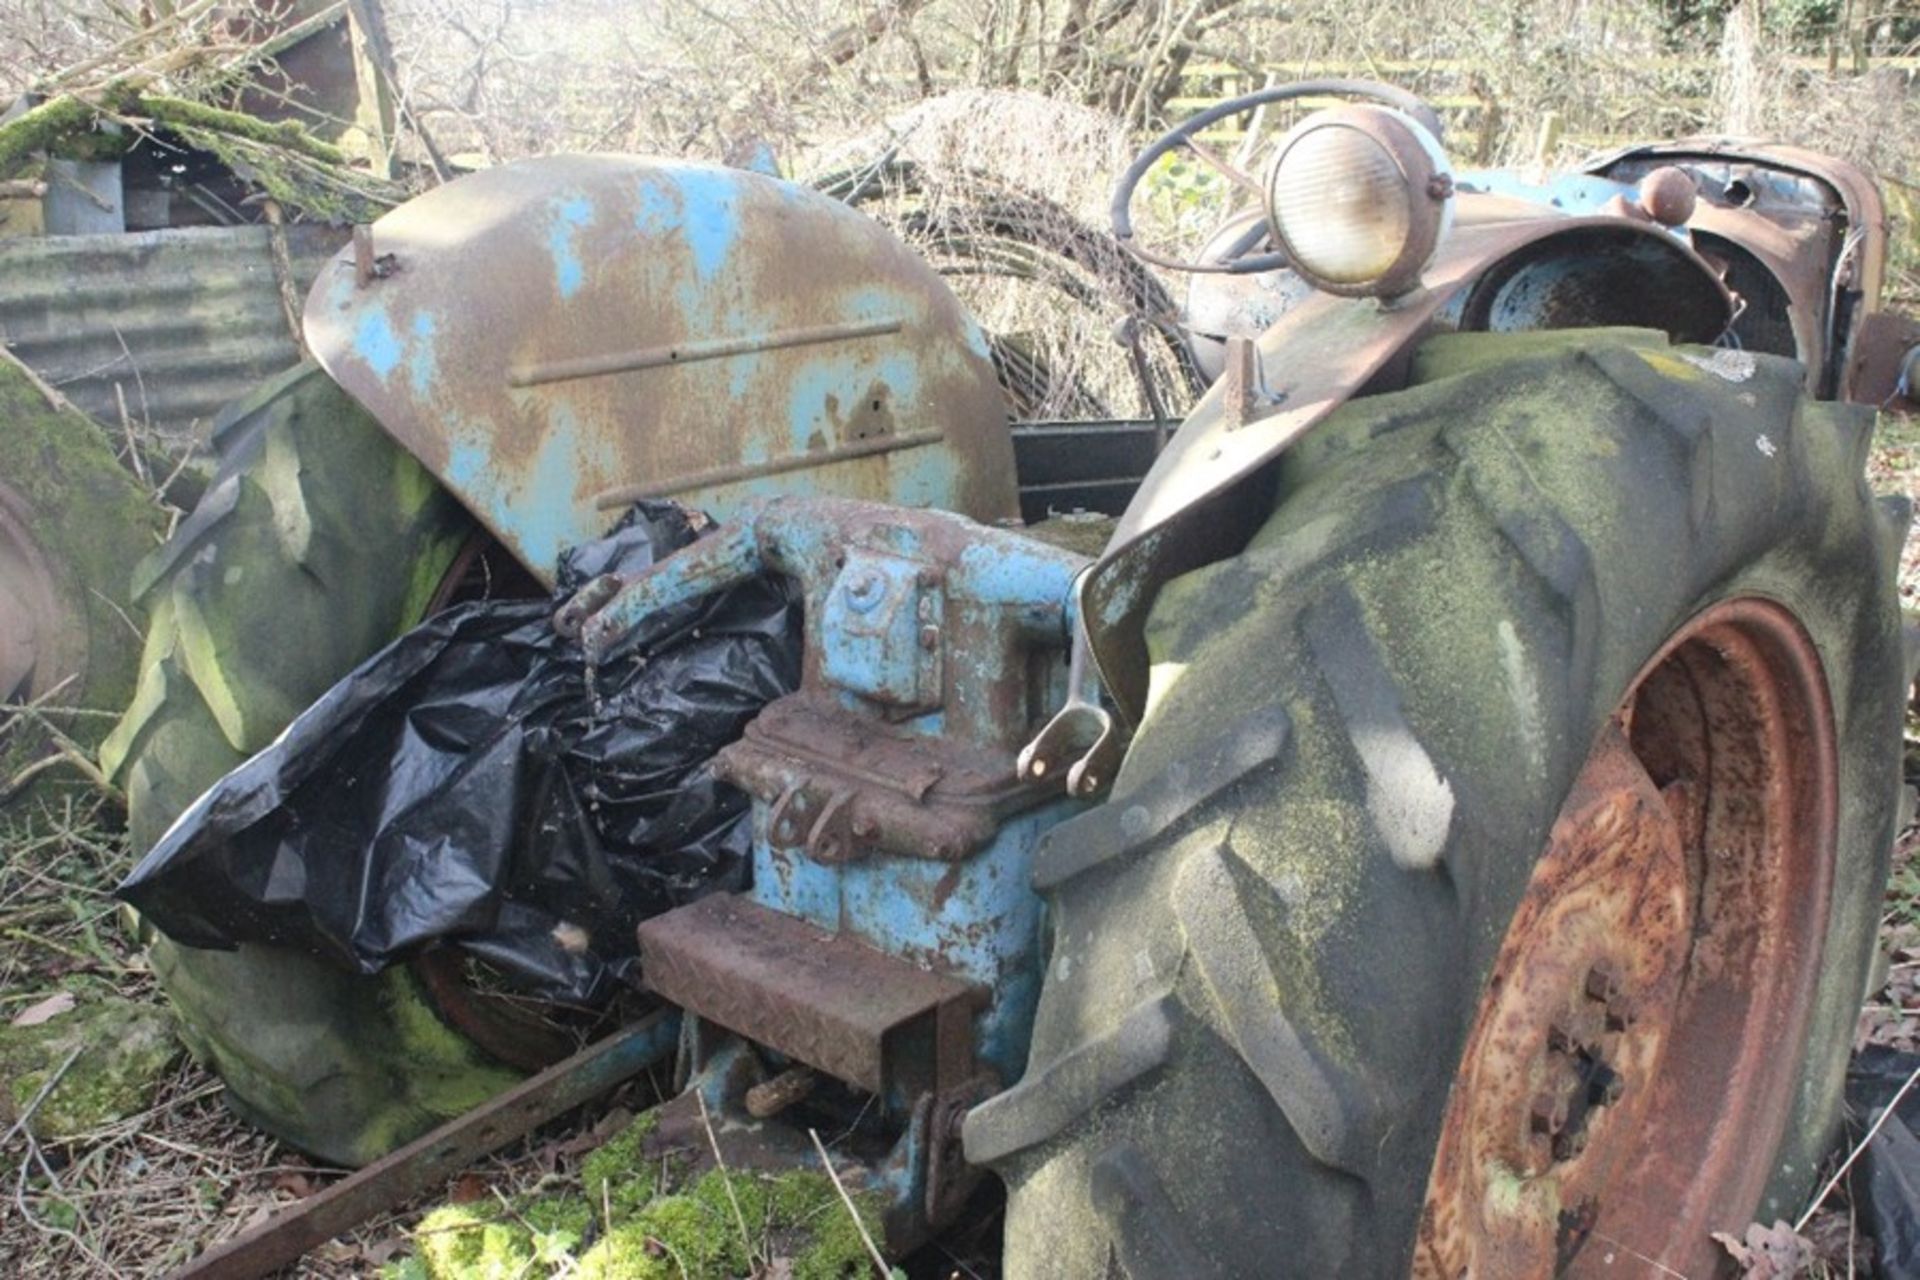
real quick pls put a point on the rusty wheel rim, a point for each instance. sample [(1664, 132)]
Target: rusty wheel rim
[(1630, 1069), (38, 647)]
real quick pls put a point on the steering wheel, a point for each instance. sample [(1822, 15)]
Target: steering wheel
[(1239, 258)]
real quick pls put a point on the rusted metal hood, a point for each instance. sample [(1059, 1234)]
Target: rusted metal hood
[(559, 337)]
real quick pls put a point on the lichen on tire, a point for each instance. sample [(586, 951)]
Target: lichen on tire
[(62, 488), (1270, 943), (318, 541)]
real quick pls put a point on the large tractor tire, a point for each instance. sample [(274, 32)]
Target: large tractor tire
[(73, 523), (319, 541), (1491, 887)]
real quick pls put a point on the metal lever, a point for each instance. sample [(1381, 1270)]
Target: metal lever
[(1081, 731)]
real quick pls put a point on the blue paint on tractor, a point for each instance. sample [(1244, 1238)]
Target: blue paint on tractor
[(886, 804), (568, 217), (978, 918), (423, 366), (375, 342), (657, 205), (711, 204), (1574, 194)]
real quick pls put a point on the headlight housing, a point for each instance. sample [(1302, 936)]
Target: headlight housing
[(1358, 199)]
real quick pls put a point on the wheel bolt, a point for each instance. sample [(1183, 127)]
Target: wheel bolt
[(1559, 1039), (1619, 1016), (1601, 985)]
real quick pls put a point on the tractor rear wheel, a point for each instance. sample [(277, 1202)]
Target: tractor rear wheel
[(1491, 887), (319, 541), (72, 523)]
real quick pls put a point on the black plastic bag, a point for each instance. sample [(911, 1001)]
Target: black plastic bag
[(474, 783), (1887, 1183)]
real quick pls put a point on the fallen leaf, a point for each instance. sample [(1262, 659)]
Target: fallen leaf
[(297, 1185), (41, 1010), (1768, 1253), (467, 1188)]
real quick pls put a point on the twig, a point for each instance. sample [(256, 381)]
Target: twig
[(726, 1179), (1854, 1154), (873, 1250)]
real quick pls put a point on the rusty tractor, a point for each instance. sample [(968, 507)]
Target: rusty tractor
[(1442, 831)]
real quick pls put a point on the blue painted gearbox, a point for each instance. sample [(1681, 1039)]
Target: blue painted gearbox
[(888, 805)]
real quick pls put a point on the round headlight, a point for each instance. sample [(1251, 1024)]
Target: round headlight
[(1358, 199)]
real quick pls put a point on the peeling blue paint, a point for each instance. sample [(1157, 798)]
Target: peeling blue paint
[(657, 205), (568, 217), (375, 342), (423, 365), (711, 204)]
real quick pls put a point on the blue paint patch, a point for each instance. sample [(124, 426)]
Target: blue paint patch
[(375, 342), (568, 217), (422, 362), (657, 207), (711, 212)]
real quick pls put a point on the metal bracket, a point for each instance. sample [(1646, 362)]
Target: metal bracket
[(1082, 731)]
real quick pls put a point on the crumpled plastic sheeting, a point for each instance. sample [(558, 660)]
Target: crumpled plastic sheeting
[(1886, 1181), (473, 782)]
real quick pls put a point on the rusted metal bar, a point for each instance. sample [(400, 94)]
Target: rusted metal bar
[(627, 495), (428, 1161), (822, 998), (696, 350)]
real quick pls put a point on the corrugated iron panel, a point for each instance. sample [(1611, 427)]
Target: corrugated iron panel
[(182, 321)]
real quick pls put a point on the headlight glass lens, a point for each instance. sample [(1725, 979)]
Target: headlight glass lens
[(1342, 205)]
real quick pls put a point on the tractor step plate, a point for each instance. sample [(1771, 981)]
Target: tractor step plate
[(850, 1010)]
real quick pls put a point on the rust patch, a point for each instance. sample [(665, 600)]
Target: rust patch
[(1639, 1036)]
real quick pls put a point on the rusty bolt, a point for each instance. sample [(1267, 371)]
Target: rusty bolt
[(865, 827), (1560, 1040), (929, 638), (1568, 1145), (1601, 984), (1619, 1015)]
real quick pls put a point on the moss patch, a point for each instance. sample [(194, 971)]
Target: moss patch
[(123, 1048), (630, 1219)]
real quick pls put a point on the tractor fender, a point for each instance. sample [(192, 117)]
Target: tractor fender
[(558, 338), (1494, 272)]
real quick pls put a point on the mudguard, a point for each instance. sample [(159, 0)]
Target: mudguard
[(557, 338), (1506, 267)]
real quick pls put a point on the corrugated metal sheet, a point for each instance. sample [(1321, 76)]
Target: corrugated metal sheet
[(181, 321)]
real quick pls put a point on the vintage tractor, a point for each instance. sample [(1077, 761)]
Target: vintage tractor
[(1443, 830)]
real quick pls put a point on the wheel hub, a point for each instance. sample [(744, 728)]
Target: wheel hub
[(1642, 1022)]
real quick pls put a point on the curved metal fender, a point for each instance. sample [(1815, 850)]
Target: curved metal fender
[(1193, 506), (557, 338)]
